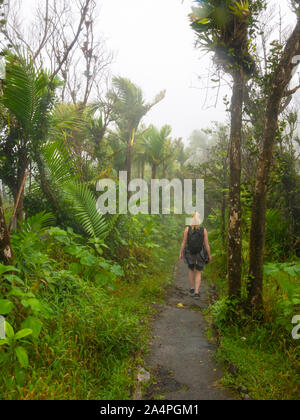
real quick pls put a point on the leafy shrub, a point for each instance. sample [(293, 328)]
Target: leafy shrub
[(282, 293), (278, 238), (86, 323)]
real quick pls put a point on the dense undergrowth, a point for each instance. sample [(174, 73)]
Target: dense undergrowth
[(77, 311), (261, 357)]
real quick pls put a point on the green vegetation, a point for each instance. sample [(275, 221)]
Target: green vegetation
[(253, 196), (77, 287), (264, 355), (81, 324)]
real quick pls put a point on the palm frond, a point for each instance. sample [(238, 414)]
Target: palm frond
[(65, 119), (84, 205), (25, 92), (156, 144), (38, 222), (59, 162), (83, 202)]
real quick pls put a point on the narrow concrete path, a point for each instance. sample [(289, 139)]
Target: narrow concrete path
[(180, 357)]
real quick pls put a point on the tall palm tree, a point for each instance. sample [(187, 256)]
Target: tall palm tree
[(129, 109), (158, 147), (29, 125), (81, 200), (181, 156), (28, 97), (172, 155), (138, 156)]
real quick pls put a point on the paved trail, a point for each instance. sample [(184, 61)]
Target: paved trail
[(180, 355)]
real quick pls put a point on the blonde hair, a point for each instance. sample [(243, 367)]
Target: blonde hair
[(196, 221)]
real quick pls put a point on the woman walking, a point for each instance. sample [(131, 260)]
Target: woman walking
[(195, 252)]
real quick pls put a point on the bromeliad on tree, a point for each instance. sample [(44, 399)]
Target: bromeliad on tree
[(222, 27)]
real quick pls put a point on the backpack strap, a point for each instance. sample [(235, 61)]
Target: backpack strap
[(189, 235)]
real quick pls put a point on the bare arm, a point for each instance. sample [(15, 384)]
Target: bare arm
[(183, 243), (207, 244)]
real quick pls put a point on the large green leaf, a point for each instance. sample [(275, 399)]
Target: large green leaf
[(117, 270), (22, 356), (23, 333), (6, 306), (292, 270), (34, 324), (7, 268), (9, 331), (271, 270)]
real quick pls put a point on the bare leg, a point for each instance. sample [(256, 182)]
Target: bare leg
[(197, 281), (191, 279)]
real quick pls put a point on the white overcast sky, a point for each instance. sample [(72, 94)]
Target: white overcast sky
[(154, 47)]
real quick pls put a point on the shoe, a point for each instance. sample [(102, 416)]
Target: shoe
[(197, 295), (192, 291)]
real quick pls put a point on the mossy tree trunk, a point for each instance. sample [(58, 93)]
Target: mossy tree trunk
[(277, 90), (6, 253), (234, 228)]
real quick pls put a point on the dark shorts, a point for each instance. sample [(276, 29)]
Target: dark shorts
[(197, 261), (195, 267)]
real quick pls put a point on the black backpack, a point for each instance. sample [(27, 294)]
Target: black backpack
[(195, 240)]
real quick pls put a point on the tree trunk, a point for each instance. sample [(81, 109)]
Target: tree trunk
[(19, 201), (48, 191), (278, 86), (128, 162), (164, 171), (129, 154), (6, 253), (223, 215), (234, 229), (45, 186), (98, 142), (154, 169), (139, 168), (143, 169), (258, 221)]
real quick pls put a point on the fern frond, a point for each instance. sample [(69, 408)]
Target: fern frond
[(59, 162), (33, 225), (38, 222), (24, 93), (84, 206)]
